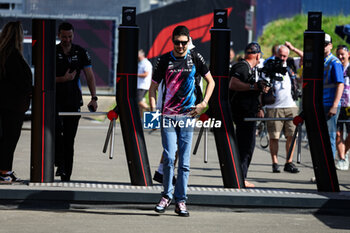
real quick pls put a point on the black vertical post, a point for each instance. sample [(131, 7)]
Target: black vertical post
[(315, 121), (43, 107), (219, 107), (130, 120)]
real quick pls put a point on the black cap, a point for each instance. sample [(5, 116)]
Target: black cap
[(252, 48)]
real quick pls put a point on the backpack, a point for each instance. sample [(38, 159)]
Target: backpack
[(198, 90), (295, 90)]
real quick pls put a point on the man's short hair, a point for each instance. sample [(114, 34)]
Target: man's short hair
[(65, 26), (181, 31), (343, 47), (274, 49), (283, 46), (252, 48), (141, 52)]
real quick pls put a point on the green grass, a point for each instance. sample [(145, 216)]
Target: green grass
[(292, 30)]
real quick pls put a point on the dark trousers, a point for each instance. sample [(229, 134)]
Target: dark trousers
[(10, 131), (66, 129), (245, 134)]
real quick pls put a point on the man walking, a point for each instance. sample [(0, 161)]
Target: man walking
[(178, 70), (71, 59)]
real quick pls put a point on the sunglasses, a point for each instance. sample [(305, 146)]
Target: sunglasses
[(177, 42), (343, 47)]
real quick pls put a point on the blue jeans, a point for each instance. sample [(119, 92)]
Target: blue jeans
[(176, 138), (332, 127)]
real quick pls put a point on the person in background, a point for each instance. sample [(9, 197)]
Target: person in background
[(232, 57), (15, 90), (333, 86), (144, 78), (71, 59), (274, 51), (344, 146), (283, 107), (244, 99)]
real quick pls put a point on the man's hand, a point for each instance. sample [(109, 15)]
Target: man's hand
[(70, 76), (262, 86), (93, 105), (289, 45), (198, 109), (260, 113), (332, 111)]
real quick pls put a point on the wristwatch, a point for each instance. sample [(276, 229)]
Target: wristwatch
[(94, 98)]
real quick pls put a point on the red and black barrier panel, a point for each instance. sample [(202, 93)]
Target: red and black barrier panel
[(130, 120), (219, 106), (43, 102), (315, 121)]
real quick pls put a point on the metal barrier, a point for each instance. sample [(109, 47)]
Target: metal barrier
[(205, 130), (269, 119), (297, 131), (110, 138), (81, 113)]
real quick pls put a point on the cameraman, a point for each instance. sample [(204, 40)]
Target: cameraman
[(244, 100), (283, 107)]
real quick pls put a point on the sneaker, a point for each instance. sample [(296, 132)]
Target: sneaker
[(181, 209), (9, 178), (162, 205), (290, 167), (159, 178), (65, 178), (342, 165), (275, 168), (60, 172), (313, 179), (346, 162)]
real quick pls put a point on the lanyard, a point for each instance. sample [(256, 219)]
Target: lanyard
[(327, 59)]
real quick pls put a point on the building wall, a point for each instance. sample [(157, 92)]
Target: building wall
[(334, 7)]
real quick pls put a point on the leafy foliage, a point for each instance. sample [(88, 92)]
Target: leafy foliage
[(292, 30)]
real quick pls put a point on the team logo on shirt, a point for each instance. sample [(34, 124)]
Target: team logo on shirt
[(170, 65), (189, 63), (75, 57)]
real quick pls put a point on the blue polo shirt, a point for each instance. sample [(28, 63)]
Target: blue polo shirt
[(333, 74)]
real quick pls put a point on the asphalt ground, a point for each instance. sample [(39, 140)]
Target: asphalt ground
[(266, 208), (48, 217)]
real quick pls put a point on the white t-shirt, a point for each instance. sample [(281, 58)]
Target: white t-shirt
[(142, 67), (161, 88), (283, 93)]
